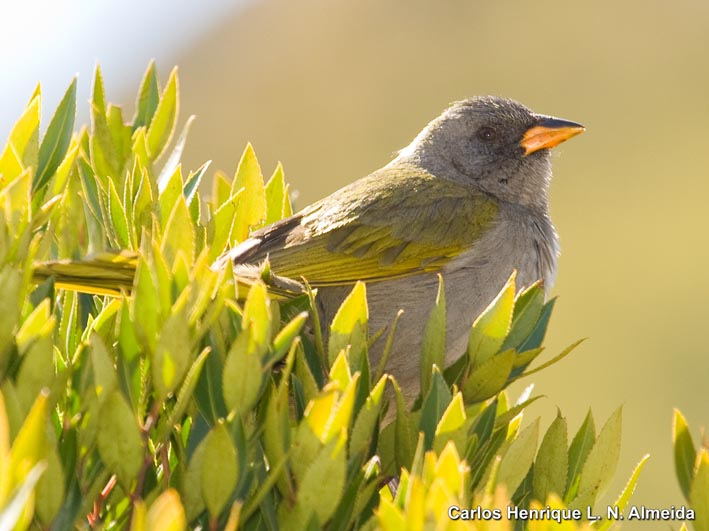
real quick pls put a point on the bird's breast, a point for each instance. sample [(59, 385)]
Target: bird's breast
[(471, 281)]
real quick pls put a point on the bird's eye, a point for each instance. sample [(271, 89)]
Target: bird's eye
[(486, 133)]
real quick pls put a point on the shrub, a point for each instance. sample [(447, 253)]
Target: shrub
[(173, 395)]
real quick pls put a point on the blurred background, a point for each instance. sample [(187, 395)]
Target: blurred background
[(333, 88)]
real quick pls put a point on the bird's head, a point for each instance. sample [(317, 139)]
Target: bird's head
[(494, 144)]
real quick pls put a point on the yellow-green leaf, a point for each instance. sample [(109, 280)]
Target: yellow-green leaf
[(622, 501), (699, 492), (24, 137), (166, 513), (49, 493), (433, 344), (179, 233), (349, 327), (118, 217), (276, 196), (518, 457), (320, 489), (56, 140), (30, 445), (552, 463), (172, 353), (491, 327), (490, 377), (118, 439), (601, 462), (164, 119), (148, 98), (685, 453), (242, 376), (219, 469), (251, 207)]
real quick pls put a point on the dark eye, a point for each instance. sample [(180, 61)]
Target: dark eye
[(486, 134)]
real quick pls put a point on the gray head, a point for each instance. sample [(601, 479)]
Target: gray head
[(497, 145)]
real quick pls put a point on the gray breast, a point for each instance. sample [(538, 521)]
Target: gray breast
[(518, 241)]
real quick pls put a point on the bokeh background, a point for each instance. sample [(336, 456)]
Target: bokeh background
[(333, 88)]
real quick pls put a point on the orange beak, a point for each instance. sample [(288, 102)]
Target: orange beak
[(549, 132)]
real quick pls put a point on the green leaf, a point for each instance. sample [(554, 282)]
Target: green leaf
[(363, 428), (30, 445), (552, 361), (622, 501), (320, 489), (405, 432), (282, 342), (118, 217), (600, 465), (220, 226), (699, 492), (257, 319), (24, 137), (490, 377), (17, 513), (535, 338), (103, 154), (143, 202), (120, 134), (89, 186), (528, 309), (434, 404), (192, 183), (491, 327), (105, 379), (11, 287), (118, 439), (453, 417), (276, 196), (433, 344), (192, 483), (518, 457), (578, 451), (146, 304), (277, 434), (172, 354), (163, 123), (685, 453), (148, 97), (50, 492), (179, 233), (243, 375), (251, 207), (57, 138), (184, 397), (166, 513), (220, 469), (552, 463), (37, 369), (349, 327), (10, 165)]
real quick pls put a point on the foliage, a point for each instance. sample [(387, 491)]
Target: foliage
[(692, 468), (189, 397)]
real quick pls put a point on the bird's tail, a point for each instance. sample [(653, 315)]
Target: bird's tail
[(104, 273), (113, 273)]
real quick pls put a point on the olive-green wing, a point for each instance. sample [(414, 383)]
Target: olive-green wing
[(396, 222)]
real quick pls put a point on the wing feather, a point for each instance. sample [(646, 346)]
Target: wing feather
[(396, 222)]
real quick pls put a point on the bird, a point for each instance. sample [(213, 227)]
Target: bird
[(466, 200)]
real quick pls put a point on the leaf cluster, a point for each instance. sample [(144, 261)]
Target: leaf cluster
[(184, 396)]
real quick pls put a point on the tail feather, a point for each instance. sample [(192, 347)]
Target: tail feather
[(104, 273), (113, 273)]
